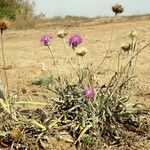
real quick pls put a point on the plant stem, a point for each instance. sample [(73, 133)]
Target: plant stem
[(84, 63), (4, 63), (50, 49), (78, 62), (8, 100), (109, 45), (119, 61), (69, 57), (54, 60)]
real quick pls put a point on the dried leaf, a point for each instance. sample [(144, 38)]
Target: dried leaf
[(54, 122), (66, 137), (38, 125)]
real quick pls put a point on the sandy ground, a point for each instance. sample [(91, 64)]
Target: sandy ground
[(28, 59)]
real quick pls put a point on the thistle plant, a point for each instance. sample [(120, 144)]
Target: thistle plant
[(93, 110), (84, 110), (88, 108)]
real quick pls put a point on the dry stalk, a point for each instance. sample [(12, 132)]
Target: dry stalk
[(109, 45), (65, 48), (4, 63)]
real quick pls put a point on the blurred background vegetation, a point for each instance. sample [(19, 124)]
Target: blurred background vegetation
[(20, 12), (12, 8)]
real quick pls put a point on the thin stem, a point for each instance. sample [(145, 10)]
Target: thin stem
[(54, 60), (83, 60), (109, 45), (79, 66), (78, 62), (135, 65), (50, 49), (121, 55), (119, 60), (4, 63), (119, 70), (69, 57), (134, 50), (8, 100)]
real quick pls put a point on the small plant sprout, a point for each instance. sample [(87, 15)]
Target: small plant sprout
[(75, 40), (117, 9), (62, 34), (88, 93)]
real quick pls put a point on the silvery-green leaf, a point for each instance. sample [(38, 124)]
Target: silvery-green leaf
[(83, 132)]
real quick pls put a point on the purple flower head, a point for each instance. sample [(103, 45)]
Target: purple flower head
[(46, 39), (75, 40), (88, 93)]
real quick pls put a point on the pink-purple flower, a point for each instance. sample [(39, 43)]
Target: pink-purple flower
[(75, 40), (46, 39), (88, 93)]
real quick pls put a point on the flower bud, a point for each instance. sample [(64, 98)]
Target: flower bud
[(81, 51), (62, 34), (88, 93), (126, 47), (4, 24), (133, 34), (117, 9)]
